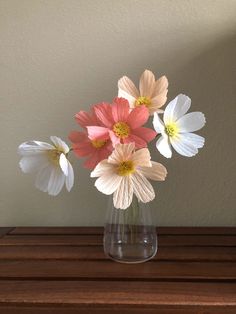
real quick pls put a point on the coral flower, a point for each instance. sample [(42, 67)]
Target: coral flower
[(151, 93), (125, 173), (95, 149), (121, 125), (177, 128), (49, 162)]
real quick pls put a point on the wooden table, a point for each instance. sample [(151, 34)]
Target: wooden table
[(64, 271)]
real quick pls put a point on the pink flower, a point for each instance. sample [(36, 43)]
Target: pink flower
[(121, 125), (151, 93), (95, 149)]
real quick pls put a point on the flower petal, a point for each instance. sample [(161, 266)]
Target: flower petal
[(158, 124), (191, 122), (157, 172), (121, 153), (142, 157), (137, 117), (196, 140), (60, 144), (126, 85), (34, 148), (145, 133), (76, 136), (142, 187), (92, 161), (63, 164), (163, 146), (114, 139), (123, 196), (43, 177), (83, 149), (147, 83), (139, 142), (104, 167), (104, 114), (157, 103), (98, 133), (183, 147), (85, 119), (176, 108), (160, 87), (70, 177), (33, 163), (108, 183), (130, 98), (56, 181), (120, 109)]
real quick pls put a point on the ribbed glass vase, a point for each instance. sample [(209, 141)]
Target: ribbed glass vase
[(130, 234)]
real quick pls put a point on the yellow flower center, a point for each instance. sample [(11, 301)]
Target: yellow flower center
[(121, 129), (125, 168), (142, 100), (171, 129), (54, 156), (98, 143)]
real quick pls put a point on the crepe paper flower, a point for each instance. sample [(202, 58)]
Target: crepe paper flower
[(50, 164), (96, 149), (177, 128), (85, 119), (151, 93), (121, 125), (126, 172)]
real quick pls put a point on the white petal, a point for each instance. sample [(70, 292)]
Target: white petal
[(104, 167), (63, 164), (121, 152), (142, 157), (59, 143), (33, 163), (163, 146), (43, 177), (56, 181), (70, 177), (108, 183), (182, 147), (157, 172), (196, 140), (123, 196), (176, 108), (158, 124), (191, 122), (142, 187), (34, 148), (131, 99)]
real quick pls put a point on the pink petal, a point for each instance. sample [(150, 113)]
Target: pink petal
[(84, 119), (145, 133), (76, 136), (83, 149), (147, 83), (103, 153), (137, 117), (120, 109), (160, 86), (114, 139), (128, 86), (104, 114), (139, 143), (98, 133), (92, 161)]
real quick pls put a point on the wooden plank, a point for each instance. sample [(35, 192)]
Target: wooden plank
[(5, 230), (163, 240), (66, 252), (99, 230), (110, 270), (97, 293)]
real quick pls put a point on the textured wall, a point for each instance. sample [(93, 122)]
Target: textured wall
[(59, 56)]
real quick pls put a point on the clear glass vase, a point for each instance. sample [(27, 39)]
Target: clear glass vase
[(130, 235)]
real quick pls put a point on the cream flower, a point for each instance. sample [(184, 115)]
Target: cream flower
[(177, 128), (50, 163), (125, 173), (152, 93)]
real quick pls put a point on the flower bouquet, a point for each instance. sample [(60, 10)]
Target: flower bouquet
[(113, 140)]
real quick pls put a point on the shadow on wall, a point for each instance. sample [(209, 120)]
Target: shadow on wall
[(205, 185)]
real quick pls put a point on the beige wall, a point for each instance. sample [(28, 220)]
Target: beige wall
[(59, 56)]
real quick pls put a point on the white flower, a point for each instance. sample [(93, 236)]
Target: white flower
[(125, 173), (50, 163), (177, 127)]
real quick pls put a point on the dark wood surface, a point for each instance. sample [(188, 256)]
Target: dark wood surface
[(64, 271)]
